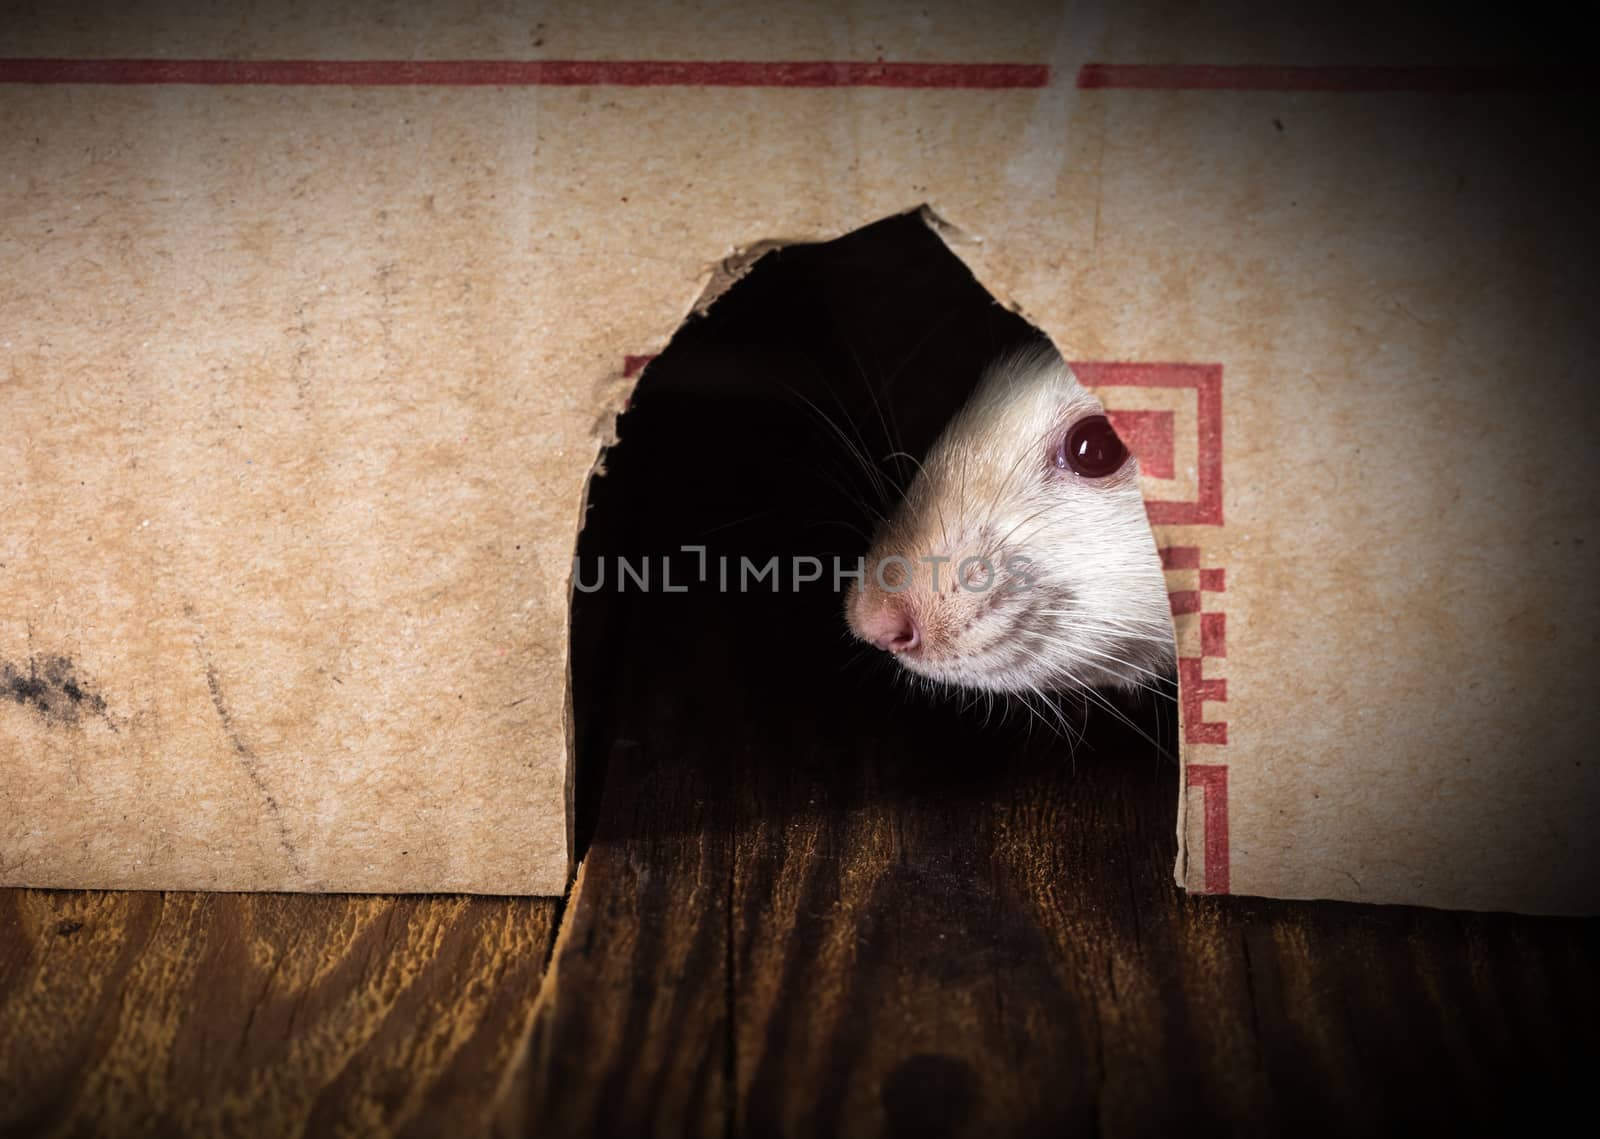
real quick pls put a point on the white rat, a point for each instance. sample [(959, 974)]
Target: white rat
[(1020, 560)]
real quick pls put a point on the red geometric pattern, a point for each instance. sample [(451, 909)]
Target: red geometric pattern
[(1155, 446), (1203, 636), (1196, 592), (1150, 435), (1212, 780)]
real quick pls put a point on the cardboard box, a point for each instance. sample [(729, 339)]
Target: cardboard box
[(312, 333)]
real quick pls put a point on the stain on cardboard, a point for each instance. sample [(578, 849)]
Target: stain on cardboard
[(249, 762), (53, 689)]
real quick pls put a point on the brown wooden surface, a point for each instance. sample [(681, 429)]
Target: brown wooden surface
[(813, 902), (928, 925), (194, 1014), (873, 940)]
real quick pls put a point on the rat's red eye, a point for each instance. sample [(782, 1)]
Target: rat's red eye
[(1092, 448)]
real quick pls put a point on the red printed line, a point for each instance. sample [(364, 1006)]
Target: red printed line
[(1212, 779), (1149, 435), (1179, 557), (1348, 79), (1193, 691), (525, 73)]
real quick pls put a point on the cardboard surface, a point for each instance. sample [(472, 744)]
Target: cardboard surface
[(300, 385)]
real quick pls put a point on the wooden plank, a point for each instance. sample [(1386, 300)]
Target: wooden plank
[(944, 927), (262, 1015), (894, 919), (632, 1034)]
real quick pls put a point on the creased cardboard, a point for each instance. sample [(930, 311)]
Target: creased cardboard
[(301, 382)]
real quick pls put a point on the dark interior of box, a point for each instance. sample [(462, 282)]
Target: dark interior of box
[(746, 436)]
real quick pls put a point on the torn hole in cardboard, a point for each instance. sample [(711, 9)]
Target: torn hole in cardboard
[(784, 417)]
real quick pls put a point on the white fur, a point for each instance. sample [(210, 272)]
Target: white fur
[(1096, 614)]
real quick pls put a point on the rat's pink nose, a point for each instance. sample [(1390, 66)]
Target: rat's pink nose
[(891, 628)]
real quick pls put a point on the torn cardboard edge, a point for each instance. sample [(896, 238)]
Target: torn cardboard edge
[(717, 279)]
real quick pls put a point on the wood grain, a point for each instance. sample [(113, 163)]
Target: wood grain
[(918, 924), (263, 1015)]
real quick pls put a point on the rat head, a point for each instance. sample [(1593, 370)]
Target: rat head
[(1020, 559)]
